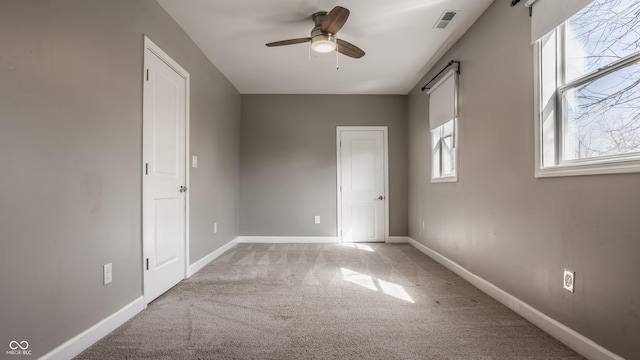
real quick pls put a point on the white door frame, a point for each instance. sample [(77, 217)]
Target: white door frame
[(385, 145), (151, 46)]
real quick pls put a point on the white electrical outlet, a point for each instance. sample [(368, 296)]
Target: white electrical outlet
[(107, 272), (215, 228), (317, 219), (569, 280)]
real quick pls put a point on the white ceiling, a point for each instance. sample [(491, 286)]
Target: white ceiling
[(397, 35)]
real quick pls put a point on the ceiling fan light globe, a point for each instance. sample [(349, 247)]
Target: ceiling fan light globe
[(323, 43), (323, 47)]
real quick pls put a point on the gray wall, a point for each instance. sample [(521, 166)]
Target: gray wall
[(70, 145), (508, 227), (288, 160)]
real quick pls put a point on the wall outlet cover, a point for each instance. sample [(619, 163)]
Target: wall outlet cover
[(569, 280)]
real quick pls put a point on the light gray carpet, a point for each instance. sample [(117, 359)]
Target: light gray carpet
[(326, 301)]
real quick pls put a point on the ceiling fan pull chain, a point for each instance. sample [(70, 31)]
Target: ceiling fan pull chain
[(309, 51), (337, 56)]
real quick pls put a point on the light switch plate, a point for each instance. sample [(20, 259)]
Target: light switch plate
[(317, 219), (194, 161), (107, 272)]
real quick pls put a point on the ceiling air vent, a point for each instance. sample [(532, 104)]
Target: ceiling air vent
[(445, 19)]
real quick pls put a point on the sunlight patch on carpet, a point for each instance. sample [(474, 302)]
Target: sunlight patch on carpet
[(366, 281), (358, 246), (358, 279), (395, 290)]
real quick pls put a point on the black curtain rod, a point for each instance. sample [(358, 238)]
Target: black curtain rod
[(426, 87)]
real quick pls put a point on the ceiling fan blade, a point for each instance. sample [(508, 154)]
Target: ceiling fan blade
[(347, 48), (335, 19), (289, 42)]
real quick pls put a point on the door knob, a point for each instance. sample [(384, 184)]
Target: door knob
[(379, 198), (183, 189)]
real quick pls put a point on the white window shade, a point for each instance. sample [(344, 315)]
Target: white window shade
[(548, 14), (442, 101)]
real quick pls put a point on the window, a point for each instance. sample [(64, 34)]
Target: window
[(444, 155), (443, 124), (590, 92)]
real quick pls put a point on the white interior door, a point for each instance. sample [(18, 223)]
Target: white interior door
[(362, 181), (164, 184)]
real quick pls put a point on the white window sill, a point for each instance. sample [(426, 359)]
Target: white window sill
[(590, 169), (445, 179)]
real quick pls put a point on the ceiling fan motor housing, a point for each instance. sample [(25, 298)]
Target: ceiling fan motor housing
[(321, 41), (318, 18)]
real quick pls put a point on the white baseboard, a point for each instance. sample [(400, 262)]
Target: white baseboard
[(82, 341), (398, 240), (287, 239), (576, 341), (196, 266), (306, 239)]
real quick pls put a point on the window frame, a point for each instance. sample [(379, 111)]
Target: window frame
[(610, 164), (449, 177), (452, 177)]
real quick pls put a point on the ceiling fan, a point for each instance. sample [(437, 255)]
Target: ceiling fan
[(323, 36)]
